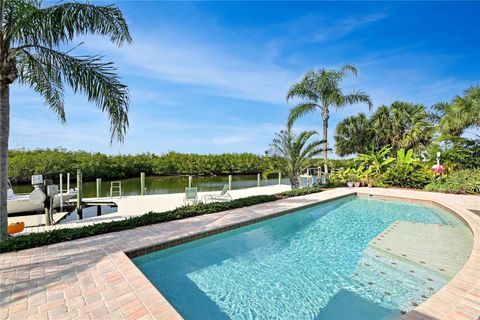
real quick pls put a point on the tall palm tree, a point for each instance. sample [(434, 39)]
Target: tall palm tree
[(320, 90), (462, 113), (30, 39), (353, 135), (296, 152)]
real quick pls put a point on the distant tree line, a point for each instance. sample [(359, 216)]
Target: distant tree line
[(24, 163)]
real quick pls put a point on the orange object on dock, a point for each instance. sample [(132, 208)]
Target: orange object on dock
[(16, 227)]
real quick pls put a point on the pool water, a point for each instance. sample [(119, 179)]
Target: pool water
[(311, 264)]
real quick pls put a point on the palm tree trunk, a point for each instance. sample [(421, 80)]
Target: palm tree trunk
[(325, 137), (4, 133), (295, 181)]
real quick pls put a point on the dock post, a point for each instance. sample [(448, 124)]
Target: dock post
[(79, 193), (99, 187), (61, 192), (142, 183), (48, 222), (68, 181), (99, 211), (258, 180), (279, 177), (190, 178), (230, 182)]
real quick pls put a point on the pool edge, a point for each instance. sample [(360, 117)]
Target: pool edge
[(444, 302)]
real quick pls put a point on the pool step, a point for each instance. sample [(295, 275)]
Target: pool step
[(393, 283), (440, 248)]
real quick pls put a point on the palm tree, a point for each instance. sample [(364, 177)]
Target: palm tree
[(462, 113), (30, 38), (320, 90), (353, 135), (402, 125), (296, 152)]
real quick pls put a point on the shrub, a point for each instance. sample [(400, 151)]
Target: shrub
[(59, 235), (299, 192), (461, 181), (400, 176), (406, 171)]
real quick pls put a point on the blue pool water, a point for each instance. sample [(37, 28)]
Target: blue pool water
[(311, 264)]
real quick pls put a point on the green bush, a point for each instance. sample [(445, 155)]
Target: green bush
[(300, 192), (398, 176), (59, 235), (461, 181), (406, 171)]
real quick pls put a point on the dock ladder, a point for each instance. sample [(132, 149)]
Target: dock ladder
[(116, 188)]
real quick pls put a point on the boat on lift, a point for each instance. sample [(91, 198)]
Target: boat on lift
[(33, 201)]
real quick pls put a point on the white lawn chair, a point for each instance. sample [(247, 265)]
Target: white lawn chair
[(223, 196), (191, 196)]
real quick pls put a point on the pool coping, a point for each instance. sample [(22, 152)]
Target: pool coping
[(94, 277)]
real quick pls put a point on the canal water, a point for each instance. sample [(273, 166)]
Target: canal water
[(164, 185)]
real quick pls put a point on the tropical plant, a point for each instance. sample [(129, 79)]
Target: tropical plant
[(353, 135), (406, 171), (460, 181), (375, 161), (455, 153), (462, 113), (296, 152), (30, 42), (320, 90), (402, 125)]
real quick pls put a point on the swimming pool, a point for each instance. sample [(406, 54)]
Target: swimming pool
[(317, 263)]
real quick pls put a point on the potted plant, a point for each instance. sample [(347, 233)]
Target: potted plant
[(352, 178), (356, 181), (370, 182)]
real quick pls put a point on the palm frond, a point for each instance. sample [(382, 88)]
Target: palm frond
[(93, 77), (46, 81), (300, 110), (60, 23), (357, 97)]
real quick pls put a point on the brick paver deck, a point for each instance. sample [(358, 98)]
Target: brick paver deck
[(93, 278)]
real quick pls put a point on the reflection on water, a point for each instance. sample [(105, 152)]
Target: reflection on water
[(163, 185), (87, 212)]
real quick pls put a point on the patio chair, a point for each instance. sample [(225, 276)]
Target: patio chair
[(191, 196), (223, 196)]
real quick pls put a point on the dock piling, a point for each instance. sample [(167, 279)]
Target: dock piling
[(190, 178), (79, 193), (142, 183), (230, 182), (99, 187), (68, 181), (61, 192), (47, 217), (258, 180), (279, 177)]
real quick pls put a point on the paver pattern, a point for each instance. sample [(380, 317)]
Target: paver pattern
[(93, 278)]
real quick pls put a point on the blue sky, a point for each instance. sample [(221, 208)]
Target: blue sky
[(211, 77)]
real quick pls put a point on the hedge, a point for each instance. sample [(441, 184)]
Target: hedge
[(60, 235)]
